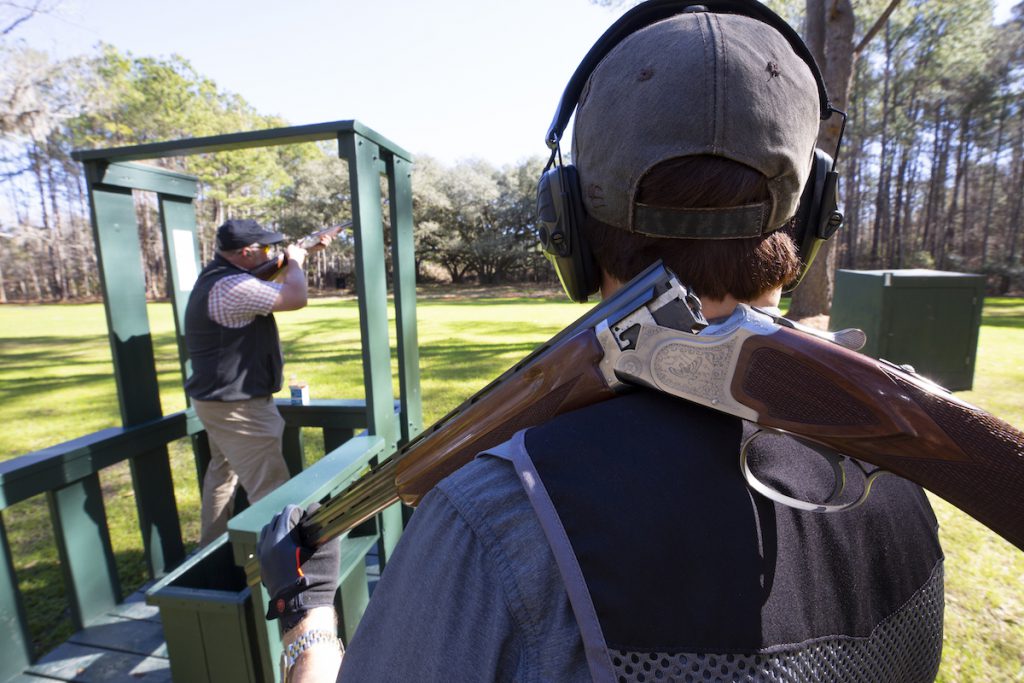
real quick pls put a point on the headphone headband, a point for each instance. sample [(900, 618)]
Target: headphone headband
[(561, 204), (654, 11)]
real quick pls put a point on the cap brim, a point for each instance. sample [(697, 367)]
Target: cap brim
[(271, 238)]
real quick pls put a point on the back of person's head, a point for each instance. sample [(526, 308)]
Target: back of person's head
[(693, 139)]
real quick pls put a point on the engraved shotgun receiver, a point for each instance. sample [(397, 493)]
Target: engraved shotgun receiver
[(756, 366)]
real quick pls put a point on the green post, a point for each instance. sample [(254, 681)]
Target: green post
[(178, 218), (124, 289), (124, 292), (293, 449), (83, 543), (365, 168), (268, 635), (403, 260), (16, 647)]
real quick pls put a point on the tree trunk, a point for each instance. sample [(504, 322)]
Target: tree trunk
[(34, 274), (949, 233), (36, 160), (965, 225), (986, 227), (895, 250), (908, 213), (60, 265), (929, 205), (1017, 208), (881, 226), (814, 295), (852, 224), (87, 255), (937, 189)]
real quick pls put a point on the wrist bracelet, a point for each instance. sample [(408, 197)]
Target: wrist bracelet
[(291, 653)]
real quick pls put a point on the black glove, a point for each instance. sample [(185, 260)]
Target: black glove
[(297, 576)]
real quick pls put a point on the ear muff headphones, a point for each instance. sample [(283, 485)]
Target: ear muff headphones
[(818, 216), (560, 198)]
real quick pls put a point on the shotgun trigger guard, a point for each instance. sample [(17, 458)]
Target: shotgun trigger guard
[(833, 458)]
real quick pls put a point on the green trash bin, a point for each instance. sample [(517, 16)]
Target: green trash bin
[(208, 618), (928, 319)]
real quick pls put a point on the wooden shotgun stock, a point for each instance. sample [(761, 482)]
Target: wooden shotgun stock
[(780, 378), (880, 414)]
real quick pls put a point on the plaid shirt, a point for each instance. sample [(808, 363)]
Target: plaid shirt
[(236, 300)]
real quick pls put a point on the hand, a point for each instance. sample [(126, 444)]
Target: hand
[(297, 576), (325, 241), (296, 254)]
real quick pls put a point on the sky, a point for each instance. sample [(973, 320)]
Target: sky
[(455, 79)]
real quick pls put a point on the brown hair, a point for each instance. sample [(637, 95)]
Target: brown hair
[(744, 268)]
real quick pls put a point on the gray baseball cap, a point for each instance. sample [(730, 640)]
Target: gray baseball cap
[(696, 83)]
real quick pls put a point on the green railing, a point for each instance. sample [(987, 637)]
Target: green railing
[(68, 474)]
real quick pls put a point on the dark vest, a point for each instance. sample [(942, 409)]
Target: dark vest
[(680, 556), (229, 364)]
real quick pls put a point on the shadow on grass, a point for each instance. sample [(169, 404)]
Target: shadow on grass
[(88, 383), (34, 352), (496, 329), (465, 362), (457, 359), (1011, 323), (1003, 313), (509, 301)]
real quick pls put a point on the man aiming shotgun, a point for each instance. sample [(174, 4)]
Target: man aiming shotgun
[(237, 363), (619, 540), (276, 263)]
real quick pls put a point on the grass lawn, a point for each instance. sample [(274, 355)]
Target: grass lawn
[(56, 384)]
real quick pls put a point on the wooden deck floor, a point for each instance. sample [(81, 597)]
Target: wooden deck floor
[(126, 646)]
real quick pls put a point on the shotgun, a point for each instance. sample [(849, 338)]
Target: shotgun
[(268, 270), (756, 366)]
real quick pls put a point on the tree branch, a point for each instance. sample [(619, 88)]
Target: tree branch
[(28, 11), (873, 31)]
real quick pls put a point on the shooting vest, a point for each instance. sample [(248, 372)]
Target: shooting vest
[(675, 570), (229, 364)]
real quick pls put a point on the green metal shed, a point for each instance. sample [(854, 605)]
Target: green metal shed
[(928, 319)]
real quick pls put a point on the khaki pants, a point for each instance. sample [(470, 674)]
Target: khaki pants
[(245, 448)]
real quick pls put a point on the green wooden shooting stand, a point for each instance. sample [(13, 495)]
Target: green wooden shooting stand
[(212, 602)]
